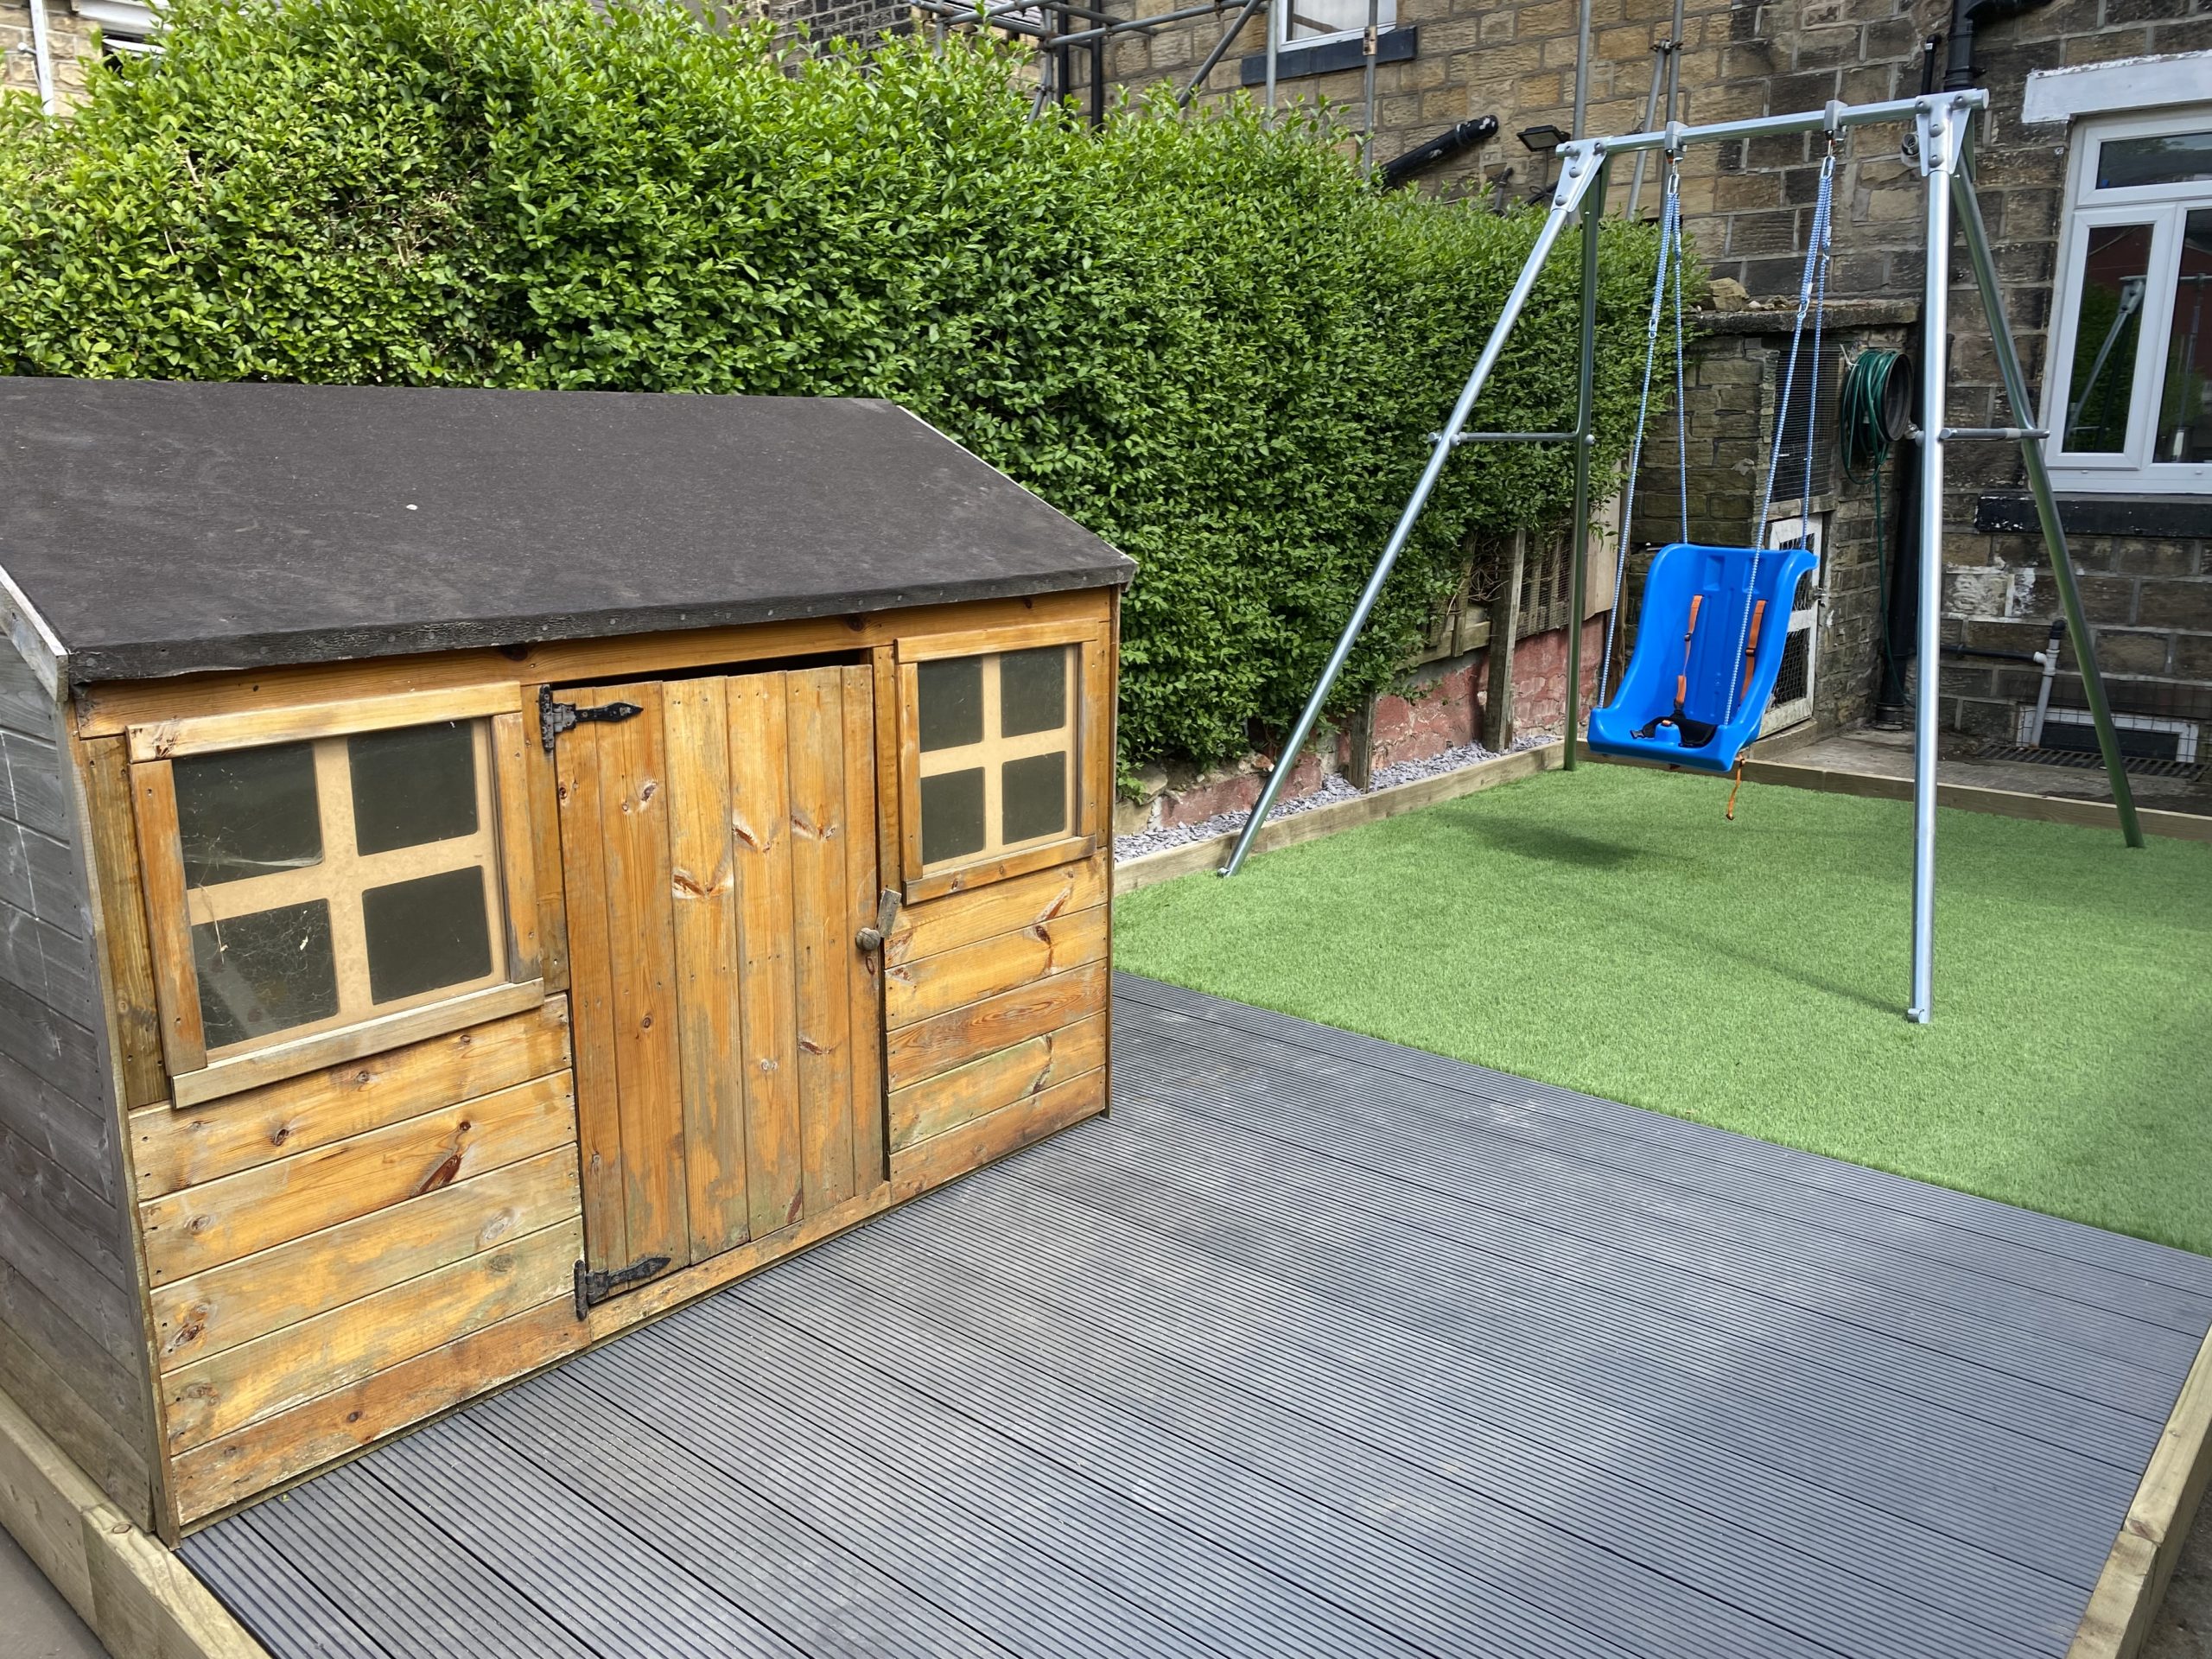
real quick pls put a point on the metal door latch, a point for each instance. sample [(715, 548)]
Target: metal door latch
[(871, 939), (555, 718), (593, 1288)]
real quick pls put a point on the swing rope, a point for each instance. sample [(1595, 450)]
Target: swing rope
[(1813, 295), (1670, 239), (1816, 275)]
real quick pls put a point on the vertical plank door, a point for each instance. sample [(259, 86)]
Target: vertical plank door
[(719, 853)]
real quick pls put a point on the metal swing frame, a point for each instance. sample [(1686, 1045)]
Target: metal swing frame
[(1942, 129)]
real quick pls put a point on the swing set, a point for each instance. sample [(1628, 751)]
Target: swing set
[(1705, 657)]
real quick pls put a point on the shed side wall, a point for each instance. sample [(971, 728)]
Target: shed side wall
[(73, 1349)]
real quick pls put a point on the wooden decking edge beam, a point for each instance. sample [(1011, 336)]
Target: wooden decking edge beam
[(129, 1587), (1973, 798), (1170, 862), (2134, 1583)]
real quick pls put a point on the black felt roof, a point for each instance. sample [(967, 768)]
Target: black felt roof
[(161, 527)]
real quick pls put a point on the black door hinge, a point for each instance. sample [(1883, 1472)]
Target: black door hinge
[(592, 1288), (555, 718)]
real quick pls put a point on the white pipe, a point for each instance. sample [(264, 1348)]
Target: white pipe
[(42, 58)]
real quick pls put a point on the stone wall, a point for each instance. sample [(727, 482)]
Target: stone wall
[(1439, 708), (69, 38)]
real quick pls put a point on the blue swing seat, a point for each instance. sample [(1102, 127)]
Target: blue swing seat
[(1708, 667)]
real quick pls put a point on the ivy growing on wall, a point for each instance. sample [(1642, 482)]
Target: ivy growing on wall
[(1203, 336)]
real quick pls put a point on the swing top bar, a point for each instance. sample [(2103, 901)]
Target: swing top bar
[(1833, 117)]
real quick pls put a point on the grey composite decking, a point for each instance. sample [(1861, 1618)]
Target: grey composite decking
[(1318, 1345)]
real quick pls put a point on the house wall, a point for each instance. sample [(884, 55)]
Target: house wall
[(69, 38), (72, 1347), (1749, 206)]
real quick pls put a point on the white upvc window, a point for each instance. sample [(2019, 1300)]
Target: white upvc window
[(2127, 395), (1303, 22)]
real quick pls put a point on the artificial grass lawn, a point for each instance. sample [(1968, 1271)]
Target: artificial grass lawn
[(1608, 930)]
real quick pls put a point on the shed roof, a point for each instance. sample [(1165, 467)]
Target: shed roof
[(159, 527)]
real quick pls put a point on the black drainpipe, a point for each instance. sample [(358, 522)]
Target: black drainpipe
[(1966, 15)]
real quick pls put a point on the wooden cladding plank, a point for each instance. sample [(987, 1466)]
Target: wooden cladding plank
[(641, 935), (760, 818), (238, 728), (710, 1041), (932, 1162), (960, 1096), (542, 782), (814, 701), (976, 641), (90, 1224), (95, 1408), (114, 837), (941, 924), (371, 1037), (227, 1391), (970, 877), (233, 1467), (201, 1227), (599, 1117), (184, 1040), (249, 1298), (518, 862), (173, 1148), (929, 1046), (864, 968), (915, 990)]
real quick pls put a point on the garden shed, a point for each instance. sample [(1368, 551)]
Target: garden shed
[(482, 869)]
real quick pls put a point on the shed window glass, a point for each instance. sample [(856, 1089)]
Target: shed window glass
[(332, 881), (998, 754)]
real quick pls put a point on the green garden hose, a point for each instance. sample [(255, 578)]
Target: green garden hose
[(1875, 412)]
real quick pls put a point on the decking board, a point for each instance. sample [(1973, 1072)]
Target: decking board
[(1316, 1345)]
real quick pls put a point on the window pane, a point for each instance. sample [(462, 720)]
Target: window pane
[(952, 703), (952, 814), (2106, 321), (2167, 158), (2185, 402), (1033, 794), (413, 785), (1310, 18), (1034, 691), (425, 933), (249, 812), (267, 970)]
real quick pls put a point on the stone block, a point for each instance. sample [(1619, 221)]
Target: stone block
[(2182, 604), (2108, 599), (2106, 46)]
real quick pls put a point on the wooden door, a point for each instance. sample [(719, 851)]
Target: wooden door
[(719, 859)]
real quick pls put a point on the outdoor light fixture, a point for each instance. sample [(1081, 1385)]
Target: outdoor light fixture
[(1542, 138)]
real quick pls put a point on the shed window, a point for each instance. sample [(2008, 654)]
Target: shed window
[(997, 740), (331, 881)]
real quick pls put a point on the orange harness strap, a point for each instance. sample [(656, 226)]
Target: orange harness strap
[(1689, 637)]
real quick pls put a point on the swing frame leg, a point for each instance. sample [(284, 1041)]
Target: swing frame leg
[(2031, 458), (1586, 443), (1938, 132), (1583, 167)]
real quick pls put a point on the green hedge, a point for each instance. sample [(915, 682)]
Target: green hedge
[(1205, 338)]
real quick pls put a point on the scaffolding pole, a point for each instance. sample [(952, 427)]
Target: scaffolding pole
[(1942, 123)]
